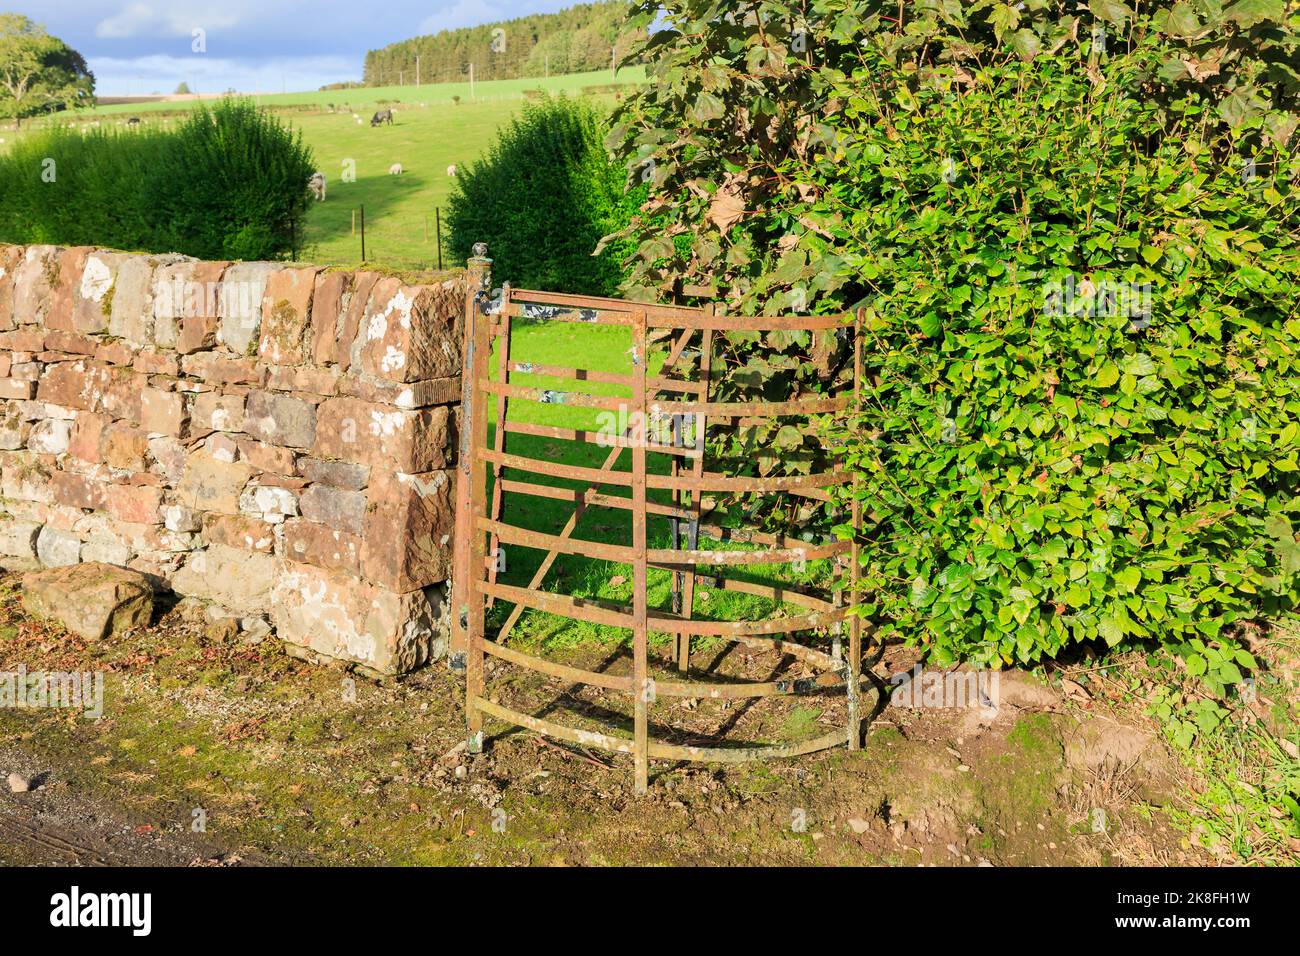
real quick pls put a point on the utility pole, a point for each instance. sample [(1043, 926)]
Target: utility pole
[(613, 63), (417, 71), (471, 81), (546, 72)]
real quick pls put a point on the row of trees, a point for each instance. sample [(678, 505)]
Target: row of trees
[(580, 38), (39, 73)]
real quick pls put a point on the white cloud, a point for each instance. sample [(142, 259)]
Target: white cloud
[(462, 13), (174, 20), (115, 76)]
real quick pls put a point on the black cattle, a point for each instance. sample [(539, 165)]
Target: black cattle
[(383, 116)]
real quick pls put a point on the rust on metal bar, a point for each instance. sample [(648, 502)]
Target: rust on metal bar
[(600, 302), (817, 619), (499, 439), (596, 476), (642, 687), (562, 671), (555, 396), (478, 276), (855, 559), (585, 738), (613, 614), (578, 314), (474, 569), (554, 542), (804, 406), (759, 323), (594, 438), (576, 495), (659, 382), (580, 507), (667, 557), (712, 481)]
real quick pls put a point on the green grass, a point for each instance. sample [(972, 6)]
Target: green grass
[(602, 348), (430, 132), (399, 210), (428, 93)]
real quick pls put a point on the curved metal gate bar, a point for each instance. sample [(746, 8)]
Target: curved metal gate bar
[(687, 481)]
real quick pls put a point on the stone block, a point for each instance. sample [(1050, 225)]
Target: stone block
[(332, 614), (94, 601), (242, 288), (280, 420), (339, 509), (286, 315), (406, 440), (232, 577), (56, 549), (411, 332), (18, 537), (408, 530)]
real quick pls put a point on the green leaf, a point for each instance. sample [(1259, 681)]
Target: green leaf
[(1182, 21), (930, 325), (1112, 11), (1025, 43), (1249, 13), (707, 107), (1111, 629), (1107, 375)]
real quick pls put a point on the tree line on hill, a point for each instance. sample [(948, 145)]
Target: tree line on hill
[(581, 38)]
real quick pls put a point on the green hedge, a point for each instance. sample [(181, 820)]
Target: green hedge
[(543, 198), (1083, 361), (229, 182)]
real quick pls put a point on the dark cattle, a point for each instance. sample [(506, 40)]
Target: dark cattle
[(383, 116), (133, 121)]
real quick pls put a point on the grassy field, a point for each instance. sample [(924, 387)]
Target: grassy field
[(431, 132), (427, 93), (606, 349)]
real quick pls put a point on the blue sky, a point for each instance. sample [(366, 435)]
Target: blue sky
[(253, 46)]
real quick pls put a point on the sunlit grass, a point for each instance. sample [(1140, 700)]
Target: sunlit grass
[(603, 348)]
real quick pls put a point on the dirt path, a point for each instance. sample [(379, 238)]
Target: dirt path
[(54, 826), (286, 761)]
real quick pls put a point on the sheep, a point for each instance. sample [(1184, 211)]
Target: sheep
[(316, 183), (451, 170), (381, 117), (395, 169)]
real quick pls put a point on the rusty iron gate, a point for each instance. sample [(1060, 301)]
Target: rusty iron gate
[(679, 393)]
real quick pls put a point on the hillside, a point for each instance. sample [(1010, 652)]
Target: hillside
[(574, 40)]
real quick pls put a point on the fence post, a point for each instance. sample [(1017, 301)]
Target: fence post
[(642, 686), (471, 492), (478, 279)]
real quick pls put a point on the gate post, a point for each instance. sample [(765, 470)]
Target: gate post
[(478, 282)]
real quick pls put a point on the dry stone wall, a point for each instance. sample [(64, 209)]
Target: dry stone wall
[(276, 439)]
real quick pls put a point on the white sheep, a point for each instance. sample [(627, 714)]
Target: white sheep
[(316, 183), (395, 169), (451, 170)]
